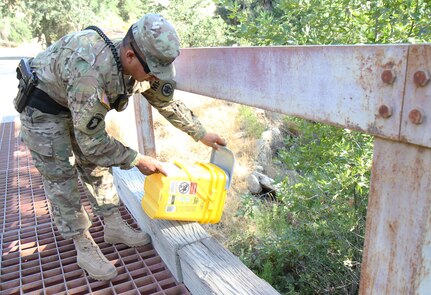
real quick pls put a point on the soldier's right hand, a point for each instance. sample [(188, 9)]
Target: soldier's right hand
[(148, 165)]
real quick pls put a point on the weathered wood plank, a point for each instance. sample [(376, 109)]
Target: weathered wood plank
[(208, 268), (192, 256), (397, 251), (167, 236)]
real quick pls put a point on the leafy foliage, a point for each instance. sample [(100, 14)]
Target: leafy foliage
[(310, 240), (249, 122), (14, 29), (195, 21), (53, 19), (328, 21)]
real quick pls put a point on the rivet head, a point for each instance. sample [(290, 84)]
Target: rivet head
[(388, 76), (416, 116), (421, 78), (385, 111)]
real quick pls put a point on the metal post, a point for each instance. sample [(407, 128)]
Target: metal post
[(397, 250), (144, 126)]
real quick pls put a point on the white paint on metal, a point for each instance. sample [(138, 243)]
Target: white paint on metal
[(417, 98), (339, 85), (423, 280), (343, 85), (144, 125), (397, 242)]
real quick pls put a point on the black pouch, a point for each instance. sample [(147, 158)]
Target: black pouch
[(27, 84), (120, 104)]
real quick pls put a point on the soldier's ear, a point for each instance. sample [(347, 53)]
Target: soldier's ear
[(129, 54)]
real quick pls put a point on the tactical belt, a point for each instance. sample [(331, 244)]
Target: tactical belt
[(40, 100)]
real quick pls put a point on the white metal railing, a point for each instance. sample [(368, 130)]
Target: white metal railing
[(381, 90)]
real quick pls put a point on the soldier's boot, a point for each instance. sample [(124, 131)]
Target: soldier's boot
[(118, 230), (91, 259)]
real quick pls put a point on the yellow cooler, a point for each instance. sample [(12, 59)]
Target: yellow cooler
[(190, 192)]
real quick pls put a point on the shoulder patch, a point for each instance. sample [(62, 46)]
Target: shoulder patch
[(167, 89), (95, 121)]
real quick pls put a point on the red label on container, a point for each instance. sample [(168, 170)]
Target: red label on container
[(193, 188)]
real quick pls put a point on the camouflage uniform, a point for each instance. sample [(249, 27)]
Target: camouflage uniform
[(80, 73)]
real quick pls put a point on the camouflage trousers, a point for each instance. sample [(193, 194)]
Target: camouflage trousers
[(58, 158)]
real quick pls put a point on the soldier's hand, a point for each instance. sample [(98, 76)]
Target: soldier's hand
[(148, 165), (213, 140)]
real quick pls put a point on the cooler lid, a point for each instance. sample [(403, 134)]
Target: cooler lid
[(224, 159)]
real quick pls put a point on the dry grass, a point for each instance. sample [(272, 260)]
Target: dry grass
[(217, 116)]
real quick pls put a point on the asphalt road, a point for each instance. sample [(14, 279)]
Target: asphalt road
[(9, 59)]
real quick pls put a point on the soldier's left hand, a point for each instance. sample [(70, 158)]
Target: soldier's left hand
[(213, 140), (148, 165)]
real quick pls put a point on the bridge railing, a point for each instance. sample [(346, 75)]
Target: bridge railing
[(382, 90)]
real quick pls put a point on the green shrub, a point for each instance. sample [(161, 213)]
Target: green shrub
[(20, 30), (309, 241), (249, 122), (15, 30)]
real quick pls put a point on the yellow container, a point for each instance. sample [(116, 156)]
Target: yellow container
[(190, 192)]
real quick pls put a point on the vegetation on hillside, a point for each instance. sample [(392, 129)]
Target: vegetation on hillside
[(308, 238), (287, 22), (195, 21)]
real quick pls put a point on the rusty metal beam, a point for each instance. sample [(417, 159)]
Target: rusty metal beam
[(356, 87), (416, 124), (144, 126), (397, 250), (382, 90)]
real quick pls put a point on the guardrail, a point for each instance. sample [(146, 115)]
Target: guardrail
[(381, 90)]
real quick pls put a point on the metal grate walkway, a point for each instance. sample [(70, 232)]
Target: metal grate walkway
[(35, 259)]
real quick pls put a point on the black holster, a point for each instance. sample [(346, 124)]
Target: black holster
[(40, 100), (29, 95), (27, 84)]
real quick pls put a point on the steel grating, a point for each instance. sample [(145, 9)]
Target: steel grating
[(35, 259)]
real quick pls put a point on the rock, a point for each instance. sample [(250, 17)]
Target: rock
[(270, 142), (275, 118), (258, 182), (253, 184), (264, 153), (265, 182)]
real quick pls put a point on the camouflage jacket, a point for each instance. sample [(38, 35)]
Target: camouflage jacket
[(79, 72)]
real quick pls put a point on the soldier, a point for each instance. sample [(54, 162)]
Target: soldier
[(80, 78)]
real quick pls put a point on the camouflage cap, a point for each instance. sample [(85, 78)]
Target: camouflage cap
[(159, 42)]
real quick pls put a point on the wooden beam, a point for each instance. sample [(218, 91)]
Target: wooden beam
[(182, 244), (167, 236), (210, 269)]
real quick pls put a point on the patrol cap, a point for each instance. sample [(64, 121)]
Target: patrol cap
[(159, 42)]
